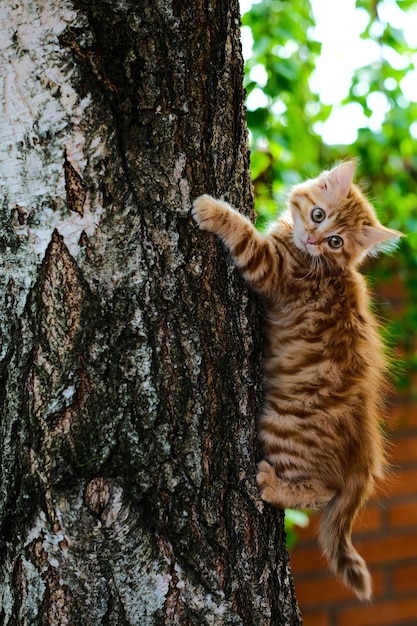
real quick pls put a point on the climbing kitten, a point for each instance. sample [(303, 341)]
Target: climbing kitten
[(323, 359)]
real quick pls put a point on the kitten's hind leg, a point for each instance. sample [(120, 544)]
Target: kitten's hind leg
[(306, 494)]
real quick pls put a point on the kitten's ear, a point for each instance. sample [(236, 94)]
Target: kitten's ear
[(341, 178), (380, 239), (377, 235)]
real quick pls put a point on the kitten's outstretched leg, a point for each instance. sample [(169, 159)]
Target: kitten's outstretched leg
[(253, 253), (306, 494)]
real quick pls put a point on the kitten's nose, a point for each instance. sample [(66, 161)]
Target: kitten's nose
[(311, 240)]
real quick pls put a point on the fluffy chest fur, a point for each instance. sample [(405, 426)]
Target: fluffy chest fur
[(313, 317), (323, 367)]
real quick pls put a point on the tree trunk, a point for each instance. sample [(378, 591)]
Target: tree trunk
[(130, 352)]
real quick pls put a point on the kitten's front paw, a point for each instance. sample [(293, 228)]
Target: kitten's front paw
[(205, 212), (267, 482)]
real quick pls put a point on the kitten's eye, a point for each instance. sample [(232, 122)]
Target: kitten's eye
[(335, 242), (318, 215)]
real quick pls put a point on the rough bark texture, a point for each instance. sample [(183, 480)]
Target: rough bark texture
[(130, 349)]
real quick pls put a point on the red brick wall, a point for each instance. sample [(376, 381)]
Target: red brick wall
[(385, 535)]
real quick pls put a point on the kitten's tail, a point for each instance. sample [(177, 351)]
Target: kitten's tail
[(335, 540)]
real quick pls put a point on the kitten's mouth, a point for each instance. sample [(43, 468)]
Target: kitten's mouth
[(309, 245)]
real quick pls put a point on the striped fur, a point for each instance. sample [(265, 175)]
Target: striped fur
[(323, 360)]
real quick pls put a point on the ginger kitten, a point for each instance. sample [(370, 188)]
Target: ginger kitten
[(323, 358)]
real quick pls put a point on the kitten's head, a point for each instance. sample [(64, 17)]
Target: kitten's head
[(334, 221)]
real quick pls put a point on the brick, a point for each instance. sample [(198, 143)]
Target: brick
[(404, 514), (389, 548), (304, 560), (401, 483), (405, 578), (375, 550), (315, 619), (391, 613), (319, 592), (403, 416), (404, 449)]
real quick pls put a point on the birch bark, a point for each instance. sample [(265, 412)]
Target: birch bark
[(130, 349)]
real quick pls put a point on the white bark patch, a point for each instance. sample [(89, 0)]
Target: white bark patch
[(178, 180), (41, 121)]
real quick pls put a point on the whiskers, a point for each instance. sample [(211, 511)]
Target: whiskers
[(319, 267), (331, 266), (315, 270)]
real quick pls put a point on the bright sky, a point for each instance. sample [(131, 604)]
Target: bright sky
[(338, 27)]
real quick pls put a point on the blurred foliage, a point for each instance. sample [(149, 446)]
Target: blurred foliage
[(293, 520), (286, 146)]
